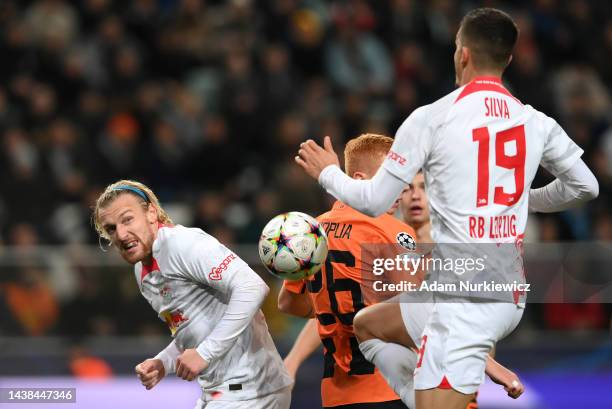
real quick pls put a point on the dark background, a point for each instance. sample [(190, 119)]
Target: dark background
[(207, 101)]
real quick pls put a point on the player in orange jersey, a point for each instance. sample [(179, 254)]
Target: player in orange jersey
[(334, 295), (340, 388)]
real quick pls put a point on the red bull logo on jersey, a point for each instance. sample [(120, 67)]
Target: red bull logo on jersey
[(396, 157), (165, 292), (215, 273), (173, 319)]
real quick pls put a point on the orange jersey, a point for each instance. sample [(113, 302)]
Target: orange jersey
[(336, 294)]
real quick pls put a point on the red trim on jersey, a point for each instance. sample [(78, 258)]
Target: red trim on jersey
[(485, 84), (445, 384), (148, 268), (421, 352), (518, 242)]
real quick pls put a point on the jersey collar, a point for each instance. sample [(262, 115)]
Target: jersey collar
[(484, 83)]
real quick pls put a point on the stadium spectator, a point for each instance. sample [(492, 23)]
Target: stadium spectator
[(207, 96)]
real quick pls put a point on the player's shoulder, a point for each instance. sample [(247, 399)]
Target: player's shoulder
[(178, 239), (540, 117), (325, 216), (431, 115), (540, 125), (392, 226), (438, 110)]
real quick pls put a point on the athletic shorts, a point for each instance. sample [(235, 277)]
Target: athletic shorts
[(415, 314), (280, 399), (456, 341)]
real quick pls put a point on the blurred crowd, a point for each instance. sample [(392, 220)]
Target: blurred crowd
[(206, 101)]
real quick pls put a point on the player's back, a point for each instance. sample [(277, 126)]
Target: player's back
[(481, 148), (336, 292)]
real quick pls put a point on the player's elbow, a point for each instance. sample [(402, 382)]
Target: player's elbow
[(294, 304), (284, 303), (361, 326), (584, 182), (372, 208), (256, 289), (590, 190), (263, 291)]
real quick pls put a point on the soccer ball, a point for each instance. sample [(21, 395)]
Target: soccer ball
[(293, 246)]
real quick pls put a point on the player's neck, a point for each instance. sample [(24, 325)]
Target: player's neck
[(148, 260), (469, 74), (423, 232)]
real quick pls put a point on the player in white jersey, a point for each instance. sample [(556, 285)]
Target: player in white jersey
[(207, 295), (479, 148), (382, 343)]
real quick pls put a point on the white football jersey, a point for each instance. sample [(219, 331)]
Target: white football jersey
[(189, 285), (479, 148)]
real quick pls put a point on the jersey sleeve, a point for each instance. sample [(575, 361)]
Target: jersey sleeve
[(208, 262), (560, 151), (295, 286), (413, 143), (168, 357)]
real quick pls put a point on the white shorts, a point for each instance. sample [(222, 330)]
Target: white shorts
[(280, 399), (456, 341), (415, 314)]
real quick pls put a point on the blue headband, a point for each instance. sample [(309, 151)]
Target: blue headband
[(132, 189)]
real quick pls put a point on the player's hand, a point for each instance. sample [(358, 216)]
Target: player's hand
[(189, 364), (150, 372), (313, 158), (511, 383)]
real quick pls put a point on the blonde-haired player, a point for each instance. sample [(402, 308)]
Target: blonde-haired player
[(209, 298)]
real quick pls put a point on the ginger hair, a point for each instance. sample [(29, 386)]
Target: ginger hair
[(359, 151)]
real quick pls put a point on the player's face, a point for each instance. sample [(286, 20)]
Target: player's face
[(413, 203), (131, 227), (394, 206)]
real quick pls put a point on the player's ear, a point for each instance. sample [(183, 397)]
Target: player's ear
[(465, 56), (151, 213), (359, 175)]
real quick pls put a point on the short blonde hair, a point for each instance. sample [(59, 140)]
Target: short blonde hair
[(359, 150), (132, 187)]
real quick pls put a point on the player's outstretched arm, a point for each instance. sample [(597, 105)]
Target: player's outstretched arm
[(504, 377), (150, 372), (571, 188), (372, 197), (305, 344), (292, 303)]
